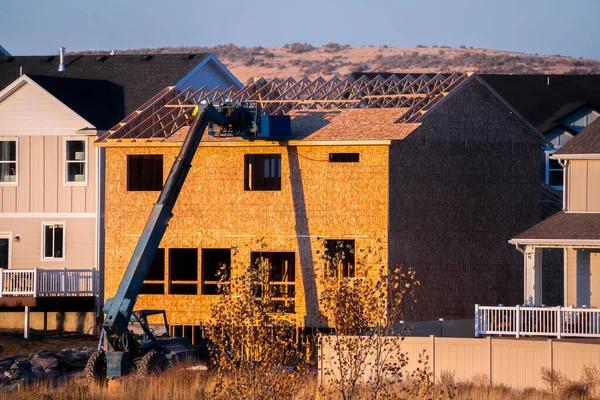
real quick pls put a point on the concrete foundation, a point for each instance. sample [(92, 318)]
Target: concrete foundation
[(72, 321)]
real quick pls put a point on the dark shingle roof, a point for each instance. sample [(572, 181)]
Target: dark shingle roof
[(564, 226), (122, 82), (586, 142), (540, 99)]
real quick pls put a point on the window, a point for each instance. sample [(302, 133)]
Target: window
[(75, 161), (344, 157), (555, 173), (53, 241), (155, 278), (145, 172), (183, 271), (214, 261), (8, 162), (262, 172), (340, 258), (282, 277), (5, 251)]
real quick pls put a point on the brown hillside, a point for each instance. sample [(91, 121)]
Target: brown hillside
[(333, 59)]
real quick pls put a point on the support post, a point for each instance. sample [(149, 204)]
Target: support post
[(518, 321), (35, 282), (476, 320), (26, 324), (559, 322), (1, 282), (533, 276), (64, 282)]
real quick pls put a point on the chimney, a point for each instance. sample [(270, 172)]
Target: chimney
[(61, 53)]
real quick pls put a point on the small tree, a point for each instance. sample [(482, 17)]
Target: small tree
[(253, 347), (366, 312)]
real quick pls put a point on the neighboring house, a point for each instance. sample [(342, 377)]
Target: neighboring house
[(438, 181), (52, 179), (4, 52), (576, 229)]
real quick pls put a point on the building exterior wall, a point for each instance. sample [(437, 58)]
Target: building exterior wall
[(26, 253), (583, 284), (317, 199), (583, 186), (41, 126), (461, 186)]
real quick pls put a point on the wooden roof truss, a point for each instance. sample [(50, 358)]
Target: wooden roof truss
[(170, 109)]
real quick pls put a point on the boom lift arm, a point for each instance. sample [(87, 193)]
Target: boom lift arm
[(235, 119)]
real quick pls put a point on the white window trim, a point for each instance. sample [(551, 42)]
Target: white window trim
[(12, 139), (547, 169), (43, 247), (65, 161), (8, 235)]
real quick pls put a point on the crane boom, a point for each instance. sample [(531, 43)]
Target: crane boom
[(119, 309)]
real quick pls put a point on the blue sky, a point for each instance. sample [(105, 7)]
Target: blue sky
[(531, 26)]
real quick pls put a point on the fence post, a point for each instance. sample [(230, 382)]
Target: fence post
[(35, 283), (518, 321), (432, 357), (558, 322), (26, 323), (476, 320)]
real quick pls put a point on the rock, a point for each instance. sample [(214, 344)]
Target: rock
[(44, 361)]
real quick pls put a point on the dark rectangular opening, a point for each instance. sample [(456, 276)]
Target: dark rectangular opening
[(340, 258), (262, 172), (155, 277), (183, 271), (282, 278), (145, 172), (214, 263), (344, 157)]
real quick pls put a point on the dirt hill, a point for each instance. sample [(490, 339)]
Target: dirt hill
[(298, 59)]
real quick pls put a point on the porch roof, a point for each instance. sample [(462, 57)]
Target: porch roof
[(563, 228)]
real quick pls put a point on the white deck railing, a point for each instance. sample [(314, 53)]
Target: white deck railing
[(49, 282), (537, 321)]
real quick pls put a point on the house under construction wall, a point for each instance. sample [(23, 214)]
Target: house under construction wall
[(437, 171)]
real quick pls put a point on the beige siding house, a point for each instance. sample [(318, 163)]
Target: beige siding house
[(52, 178), (576, 229)]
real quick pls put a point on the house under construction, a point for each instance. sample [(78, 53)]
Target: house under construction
[(434, 172)]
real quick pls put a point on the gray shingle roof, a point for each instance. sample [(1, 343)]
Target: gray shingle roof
[(121, 83), (564, 226), (586, 142)]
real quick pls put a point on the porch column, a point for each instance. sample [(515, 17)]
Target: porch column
[(533, 276)]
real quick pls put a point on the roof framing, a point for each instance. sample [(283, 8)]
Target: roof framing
[(169, 110)]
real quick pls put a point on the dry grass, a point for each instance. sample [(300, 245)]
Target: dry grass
[(181, 383), (12, 342)]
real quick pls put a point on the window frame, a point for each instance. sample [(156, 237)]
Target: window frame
[(204, 283), (344, 157), (249, 182), (16, 140), (157, 282), (288, 303), (548, 170), (43, 241), (66, 162), (341, 267), (8, 235), (169, 275), (128, 159)]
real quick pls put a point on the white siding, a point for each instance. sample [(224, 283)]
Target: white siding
[(209, 75), (29, 111)]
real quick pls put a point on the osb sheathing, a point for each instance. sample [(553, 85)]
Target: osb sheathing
[(317, 199), (470, 178)]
